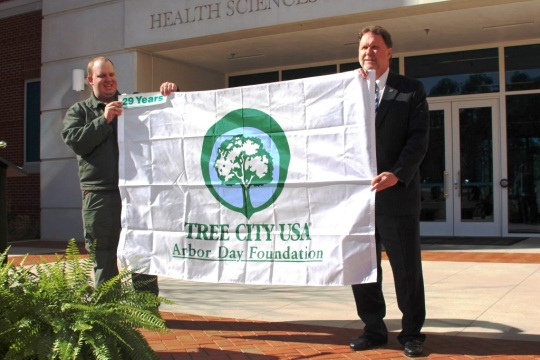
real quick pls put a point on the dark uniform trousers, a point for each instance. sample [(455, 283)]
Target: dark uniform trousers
[(102, 211)]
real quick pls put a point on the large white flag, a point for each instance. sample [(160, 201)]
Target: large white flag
[(265, 184)]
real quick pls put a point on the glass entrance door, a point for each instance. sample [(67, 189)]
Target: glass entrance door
[(461, 195)]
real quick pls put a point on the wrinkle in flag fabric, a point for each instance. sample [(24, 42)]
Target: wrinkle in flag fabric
[(264, 184)]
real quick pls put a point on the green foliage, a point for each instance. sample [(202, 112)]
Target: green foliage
[(52, 311)]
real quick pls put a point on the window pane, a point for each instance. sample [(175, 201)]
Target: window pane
[(523, 132), (394, 66), (308, 72), (456, 73), (32, 112), (522, 67), (432, 171), (253, 79), (476, 164), (349, 66)]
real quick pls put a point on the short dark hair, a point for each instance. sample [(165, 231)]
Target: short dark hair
[(377, 30)]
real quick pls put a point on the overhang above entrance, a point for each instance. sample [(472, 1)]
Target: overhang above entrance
[(423, 27)]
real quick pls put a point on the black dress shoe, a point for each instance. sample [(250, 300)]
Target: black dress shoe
[(365, 343), (413, 348)]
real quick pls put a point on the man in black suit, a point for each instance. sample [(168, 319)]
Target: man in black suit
[(402, 130)]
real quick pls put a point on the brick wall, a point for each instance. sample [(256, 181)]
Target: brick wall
[(20, 59)]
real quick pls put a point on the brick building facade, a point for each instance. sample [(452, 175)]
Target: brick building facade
[(20, 60)]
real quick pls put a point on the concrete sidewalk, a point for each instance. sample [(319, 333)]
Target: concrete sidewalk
[(482, 302), (491, 300)]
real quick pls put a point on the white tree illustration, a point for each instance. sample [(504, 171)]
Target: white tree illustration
[(245, 161)]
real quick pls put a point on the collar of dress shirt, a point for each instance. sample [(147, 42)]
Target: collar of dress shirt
[(381, 82)]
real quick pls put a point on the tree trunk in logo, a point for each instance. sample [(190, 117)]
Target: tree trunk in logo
[(246, 150)]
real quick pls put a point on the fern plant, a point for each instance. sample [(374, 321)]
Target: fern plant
[(52, 311)]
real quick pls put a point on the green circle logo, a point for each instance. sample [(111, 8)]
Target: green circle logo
[(245, 159)]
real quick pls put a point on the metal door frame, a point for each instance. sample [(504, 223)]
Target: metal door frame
[(453, 225)]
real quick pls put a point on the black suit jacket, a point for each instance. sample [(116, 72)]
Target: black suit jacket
[(402, 133)]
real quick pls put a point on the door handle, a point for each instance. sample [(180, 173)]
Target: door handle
[(445, 177), (457, 185)]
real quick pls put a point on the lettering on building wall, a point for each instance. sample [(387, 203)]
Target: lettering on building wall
[(219, 9)]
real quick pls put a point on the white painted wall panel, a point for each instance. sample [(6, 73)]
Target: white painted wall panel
[(61, 224), (52, 145), (60, 184), (95, 30), (57, 6)]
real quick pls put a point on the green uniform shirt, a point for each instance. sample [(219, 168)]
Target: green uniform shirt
[(94, 141)]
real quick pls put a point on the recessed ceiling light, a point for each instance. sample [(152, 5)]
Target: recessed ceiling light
[(507, 25), (233, 56)]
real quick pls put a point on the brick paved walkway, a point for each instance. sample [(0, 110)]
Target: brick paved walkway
[(196, 337), (193, 337)]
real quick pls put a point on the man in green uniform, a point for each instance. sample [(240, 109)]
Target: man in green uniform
[(90, 130)]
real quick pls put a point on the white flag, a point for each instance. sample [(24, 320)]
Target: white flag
[(265, 184)]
